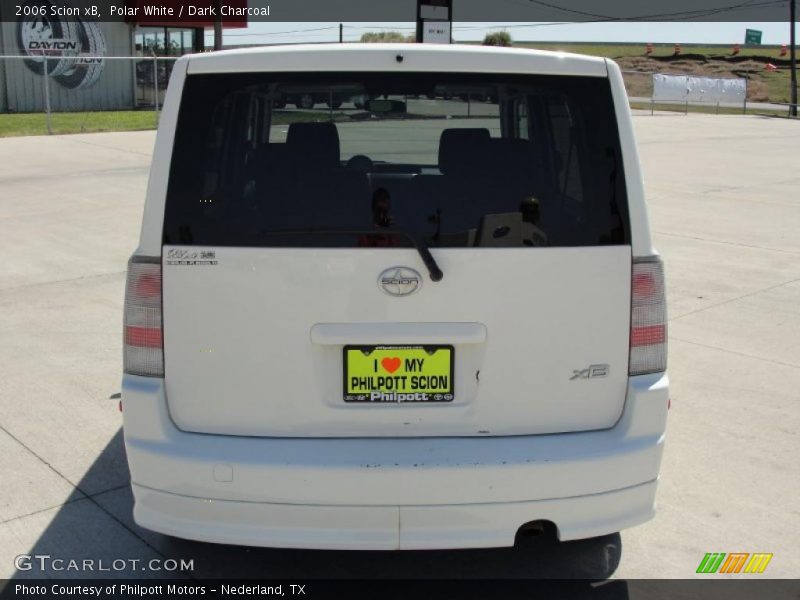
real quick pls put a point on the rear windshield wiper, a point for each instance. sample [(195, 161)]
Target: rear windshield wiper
[(434, 271)]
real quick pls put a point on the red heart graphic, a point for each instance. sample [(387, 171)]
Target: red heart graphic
[(391, 364)]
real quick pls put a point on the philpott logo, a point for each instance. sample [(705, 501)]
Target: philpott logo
[(72, 46)]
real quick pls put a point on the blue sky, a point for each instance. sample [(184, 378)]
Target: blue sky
[(712, 33)]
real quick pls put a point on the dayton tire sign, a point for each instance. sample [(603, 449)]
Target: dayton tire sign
[(73, 47)]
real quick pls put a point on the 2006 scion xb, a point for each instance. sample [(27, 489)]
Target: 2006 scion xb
[(425, 315)]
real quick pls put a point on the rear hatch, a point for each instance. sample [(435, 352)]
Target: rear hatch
[(298, 297)]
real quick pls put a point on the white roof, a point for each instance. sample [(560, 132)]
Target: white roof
[(384, 57)]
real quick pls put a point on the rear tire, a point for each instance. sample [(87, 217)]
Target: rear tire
[(594, 559)]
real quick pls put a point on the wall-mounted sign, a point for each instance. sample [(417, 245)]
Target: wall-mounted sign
[(72, 46)]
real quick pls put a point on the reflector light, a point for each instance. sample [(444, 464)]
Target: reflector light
[(143, 337), (643, 336)]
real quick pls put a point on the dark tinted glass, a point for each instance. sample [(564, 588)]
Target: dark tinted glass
[(457, 160)]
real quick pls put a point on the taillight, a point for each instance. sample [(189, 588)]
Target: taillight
[(648, 349), (143, 343)]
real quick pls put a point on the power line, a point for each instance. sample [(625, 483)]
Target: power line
[(689, 14), (284, 32), (367, 27), (598, 18), (509, 25)]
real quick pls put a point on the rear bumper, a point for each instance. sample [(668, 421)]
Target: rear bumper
[(398, 493), (386, 527)]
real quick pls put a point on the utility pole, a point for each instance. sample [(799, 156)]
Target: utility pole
[(793, 50), (218, 25)]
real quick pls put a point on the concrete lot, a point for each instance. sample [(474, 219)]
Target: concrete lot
[(725, 211)]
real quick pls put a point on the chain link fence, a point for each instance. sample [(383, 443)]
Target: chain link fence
[(643, 95), (84, 92)]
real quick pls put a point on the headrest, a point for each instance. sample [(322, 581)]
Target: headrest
[(462, 150), (316, 143)]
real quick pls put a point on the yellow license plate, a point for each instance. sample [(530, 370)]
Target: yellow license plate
[(398, 374)]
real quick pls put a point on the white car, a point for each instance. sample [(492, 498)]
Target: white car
[(419, 321)]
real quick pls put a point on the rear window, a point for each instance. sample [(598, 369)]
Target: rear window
[(367, 159)]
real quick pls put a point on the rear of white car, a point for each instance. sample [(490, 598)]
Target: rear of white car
[(422, 319)]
